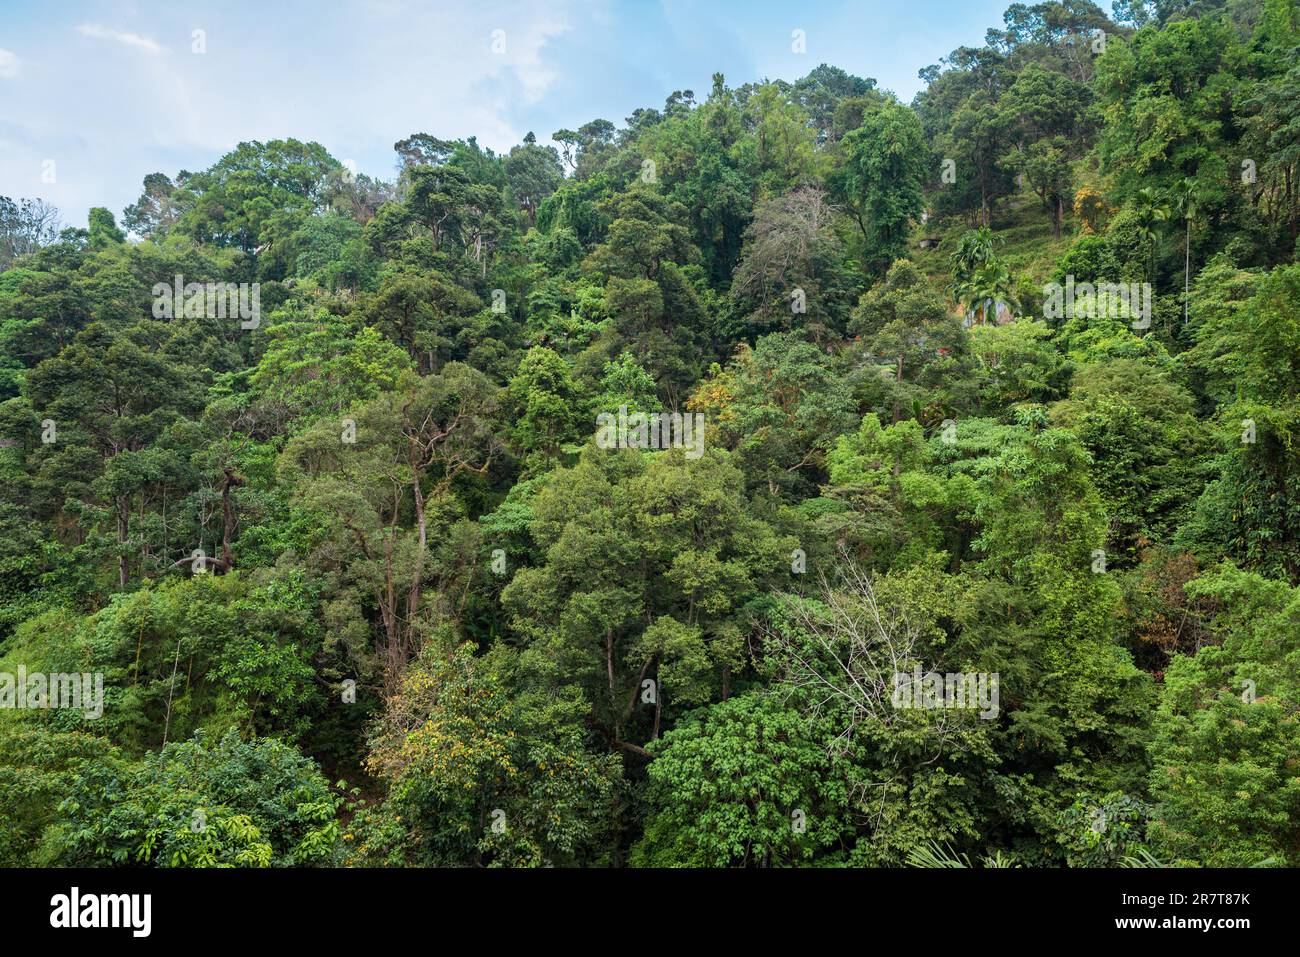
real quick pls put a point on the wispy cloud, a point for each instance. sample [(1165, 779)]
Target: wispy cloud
[(101, 32), (357, 75), (523, 52)]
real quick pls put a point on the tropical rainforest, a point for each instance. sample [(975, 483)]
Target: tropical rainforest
[(365, 590)]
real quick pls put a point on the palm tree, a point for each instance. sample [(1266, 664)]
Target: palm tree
[(979, 278), (934, 854), (973, 250), (1151, 213), (1187, 200), (989, 285)]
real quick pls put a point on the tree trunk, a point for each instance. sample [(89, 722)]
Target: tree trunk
[(609, 660), (228, 517), (123, 530)]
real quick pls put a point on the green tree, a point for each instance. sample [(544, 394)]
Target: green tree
[(543, 404), (743, 783), (883, 177)]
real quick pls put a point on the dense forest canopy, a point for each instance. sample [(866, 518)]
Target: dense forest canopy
[(613, 504)]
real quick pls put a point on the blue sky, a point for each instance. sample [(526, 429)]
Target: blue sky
[(98, 94)]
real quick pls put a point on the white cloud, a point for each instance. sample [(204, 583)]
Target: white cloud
[(418, 66), (443, 68), (524, 55), (8, 64), (100, 32)]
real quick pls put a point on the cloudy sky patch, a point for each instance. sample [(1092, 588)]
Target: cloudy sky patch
[(111, 91)]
